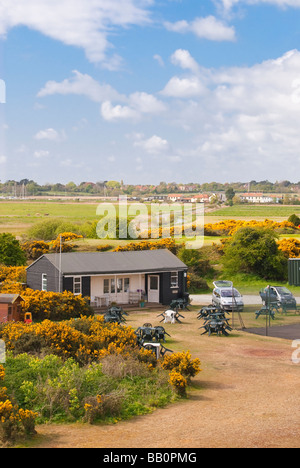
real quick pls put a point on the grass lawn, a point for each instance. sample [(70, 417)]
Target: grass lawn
[(257, 212), (17, 216)]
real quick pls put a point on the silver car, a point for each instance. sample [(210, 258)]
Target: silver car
[(226, 297)]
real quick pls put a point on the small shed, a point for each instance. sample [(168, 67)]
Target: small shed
[(10, 308), (107, 277), (294, 271)]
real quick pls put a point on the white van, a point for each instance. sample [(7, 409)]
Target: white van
[(226, 297)]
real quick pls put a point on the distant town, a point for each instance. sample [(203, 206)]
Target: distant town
[(254, 192)]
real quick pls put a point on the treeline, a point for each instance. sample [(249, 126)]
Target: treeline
[(26, 187)]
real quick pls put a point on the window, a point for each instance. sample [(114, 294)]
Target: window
[(154, 283), (77, 285), (119, 285), (174, 279), (126, 284), (112, 286), (44, 282), (106, 286)]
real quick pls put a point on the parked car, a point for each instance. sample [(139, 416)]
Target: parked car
[(226, 297), (279, 296)]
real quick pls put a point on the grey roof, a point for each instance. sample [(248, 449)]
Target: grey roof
[(116, 262), (9, 298)]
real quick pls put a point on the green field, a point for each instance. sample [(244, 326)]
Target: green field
[(18, 216), (257, 212)]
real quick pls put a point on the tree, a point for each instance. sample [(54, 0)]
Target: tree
[(230, 194), (255, 250), (11, 253), (294, 219)]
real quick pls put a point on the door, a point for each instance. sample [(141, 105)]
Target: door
[(153, 288)]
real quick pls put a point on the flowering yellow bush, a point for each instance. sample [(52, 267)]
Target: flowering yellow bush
[(50, 305), (14, 420), (178, 382), (182, 363), (61, 242), (290, 247), (229, 227), (34, 249), (12, 279), (86, 340), (148, 245)]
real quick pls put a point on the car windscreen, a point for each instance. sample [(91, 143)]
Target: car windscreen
[(284, 291), (228, 293)]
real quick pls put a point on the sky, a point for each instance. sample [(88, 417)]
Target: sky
[(146, 91)]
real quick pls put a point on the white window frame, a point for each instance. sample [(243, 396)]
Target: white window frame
[(126, 285), (106, 286), (75, 285), (174, 284), (44, 282)]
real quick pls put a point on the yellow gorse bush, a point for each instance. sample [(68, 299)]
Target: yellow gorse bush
[(182, 363), (14, 420), (290, 247), (64, 340), (230, 226), (34, 249), (148, 245), (178, 382)]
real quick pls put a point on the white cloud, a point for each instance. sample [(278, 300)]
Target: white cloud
[(80, 23), (138, 104), (154, 145), (183, 59), (205, 28), (159, 59), (114, 113), (50, 134), (228, 4), (244, 124), (184, 87), (82, 85), (3, 160), (41, 154), (146, 103)]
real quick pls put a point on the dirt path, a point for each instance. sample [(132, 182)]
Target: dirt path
[(246, 396)]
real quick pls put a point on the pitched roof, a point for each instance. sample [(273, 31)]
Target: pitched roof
[(116, 262), (9, 298)]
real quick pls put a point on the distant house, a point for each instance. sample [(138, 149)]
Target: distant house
[(200, 198), (10, 307), (260, 198), (175, 197), (106, 277)]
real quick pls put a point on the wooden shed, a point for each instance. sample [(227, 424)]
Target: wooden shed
[(10, 308), (107, 277)]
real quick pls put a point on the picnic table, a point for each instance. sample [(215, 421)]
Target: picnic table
[(265, 310), (180, 304), (151, 334), (171, 316), (150, 338), (215, 321), (115, 314)]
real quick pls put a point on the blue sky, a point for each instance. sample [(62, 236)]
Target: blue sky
[(150, 90)]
